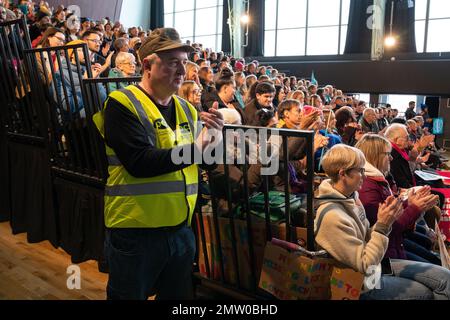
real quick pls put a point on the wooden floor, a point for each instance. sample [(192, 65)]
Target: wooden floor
[(39, 272)]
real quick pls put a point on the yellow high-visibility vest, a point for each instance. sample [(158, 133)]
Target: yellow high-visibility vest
[(164, 201)]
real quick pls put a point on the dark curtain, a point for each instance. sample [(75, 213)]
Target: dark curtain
[(156, 14), (226, 41), (81, 221), (256, 29), (359, 36), (32, 209), (403, 26), (4, 179)]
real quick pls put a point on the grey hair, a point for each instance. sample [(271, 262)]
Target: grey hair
[(124, 57), (393, 131), (368, 111)]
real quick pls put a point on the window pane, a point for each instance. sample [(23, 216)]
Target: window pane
[(269, 43), (400, 102), (168, 20), (270, 14), (184, 23), (184, 5), (363, 97), (291, 42), (168, 6), (323, 40), (345, 11), (291, 14), (343, 39), (438, 36), (323, 13), (220, 21), (207, 41), (420, 36), (219, 42), (206, 21), (421, 9), (439, 9), (206, 3)]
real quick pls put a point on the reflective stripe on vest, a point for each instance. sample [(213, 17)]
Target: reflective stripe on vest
[(151, 188), (188, 112), (142, 116)]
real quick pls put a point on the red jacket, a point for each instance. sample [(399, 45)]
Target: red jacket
[(376, 190)]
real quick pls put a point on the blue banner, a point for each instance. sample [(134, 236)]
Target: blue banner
[(438, 126)]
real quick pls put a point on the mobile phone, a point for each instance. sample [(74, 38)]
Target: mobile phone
[(386, 267)]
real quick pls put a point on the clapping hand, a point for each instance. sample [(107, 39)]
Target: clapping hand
[(422, 198), (390, 211)]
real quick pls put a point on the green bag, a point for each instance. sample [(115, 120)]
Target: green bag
[(277, 207)]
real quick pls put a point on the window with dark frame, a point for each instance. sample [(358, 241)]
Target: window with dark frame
[(199, 21)]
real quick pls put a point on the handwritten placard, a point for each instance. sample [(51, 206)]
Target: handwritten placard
[(290, 276)]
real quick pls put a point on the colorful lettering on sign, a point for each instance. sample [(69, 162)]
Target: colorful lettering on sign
[(348, 287)]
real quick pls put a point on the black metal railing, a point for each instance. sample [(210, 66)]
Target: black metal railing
[(57, 74), (95, 103), (19, 114), (226, 247)]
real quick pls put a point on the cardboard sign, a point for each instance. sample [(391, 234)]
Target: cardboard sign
[(290, 276), (444, 252), (444, 223), (258, 238)]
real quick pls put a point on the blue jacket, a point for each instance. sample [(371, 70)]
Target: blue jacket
[(70, 94)]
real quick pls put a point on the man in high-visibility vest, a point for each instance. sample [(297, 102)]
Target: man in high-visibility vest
[(150, 200)]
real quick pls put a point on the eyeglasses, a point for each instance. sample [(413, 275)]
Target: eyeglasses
[(197, 92), (387, 154), (95, 41)]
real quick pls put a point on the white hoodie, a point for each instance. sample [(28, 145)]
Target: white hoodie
[(343, 230)]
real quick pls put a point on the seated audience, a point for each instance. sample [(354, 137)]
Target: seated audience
[(379, 185), (342, 229)]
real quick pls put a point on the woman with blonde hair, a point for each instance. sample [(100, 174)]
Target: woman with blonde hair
[(192, 70), (297, 95), (191, 92), (343, 230), (379, 185)]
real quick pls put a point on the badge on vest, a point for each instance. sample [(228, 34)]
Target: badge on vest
[(161, 124), (185, 127)]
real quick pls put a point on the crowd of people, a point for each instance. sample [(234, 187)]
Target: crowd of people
[(370, 209)]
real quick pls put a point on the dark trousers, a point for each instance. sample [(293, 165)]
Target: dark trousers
[(147, 262)]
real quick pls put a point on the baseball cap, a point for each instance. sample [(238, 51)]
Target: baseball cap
[(162, 39)]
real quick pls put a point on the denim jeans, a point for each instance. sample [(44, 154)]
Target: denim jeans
[(419, 253), (145, 262), (412, 281)]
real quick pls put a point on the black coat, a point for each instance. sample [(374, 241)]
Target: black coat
[(401, 171)]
